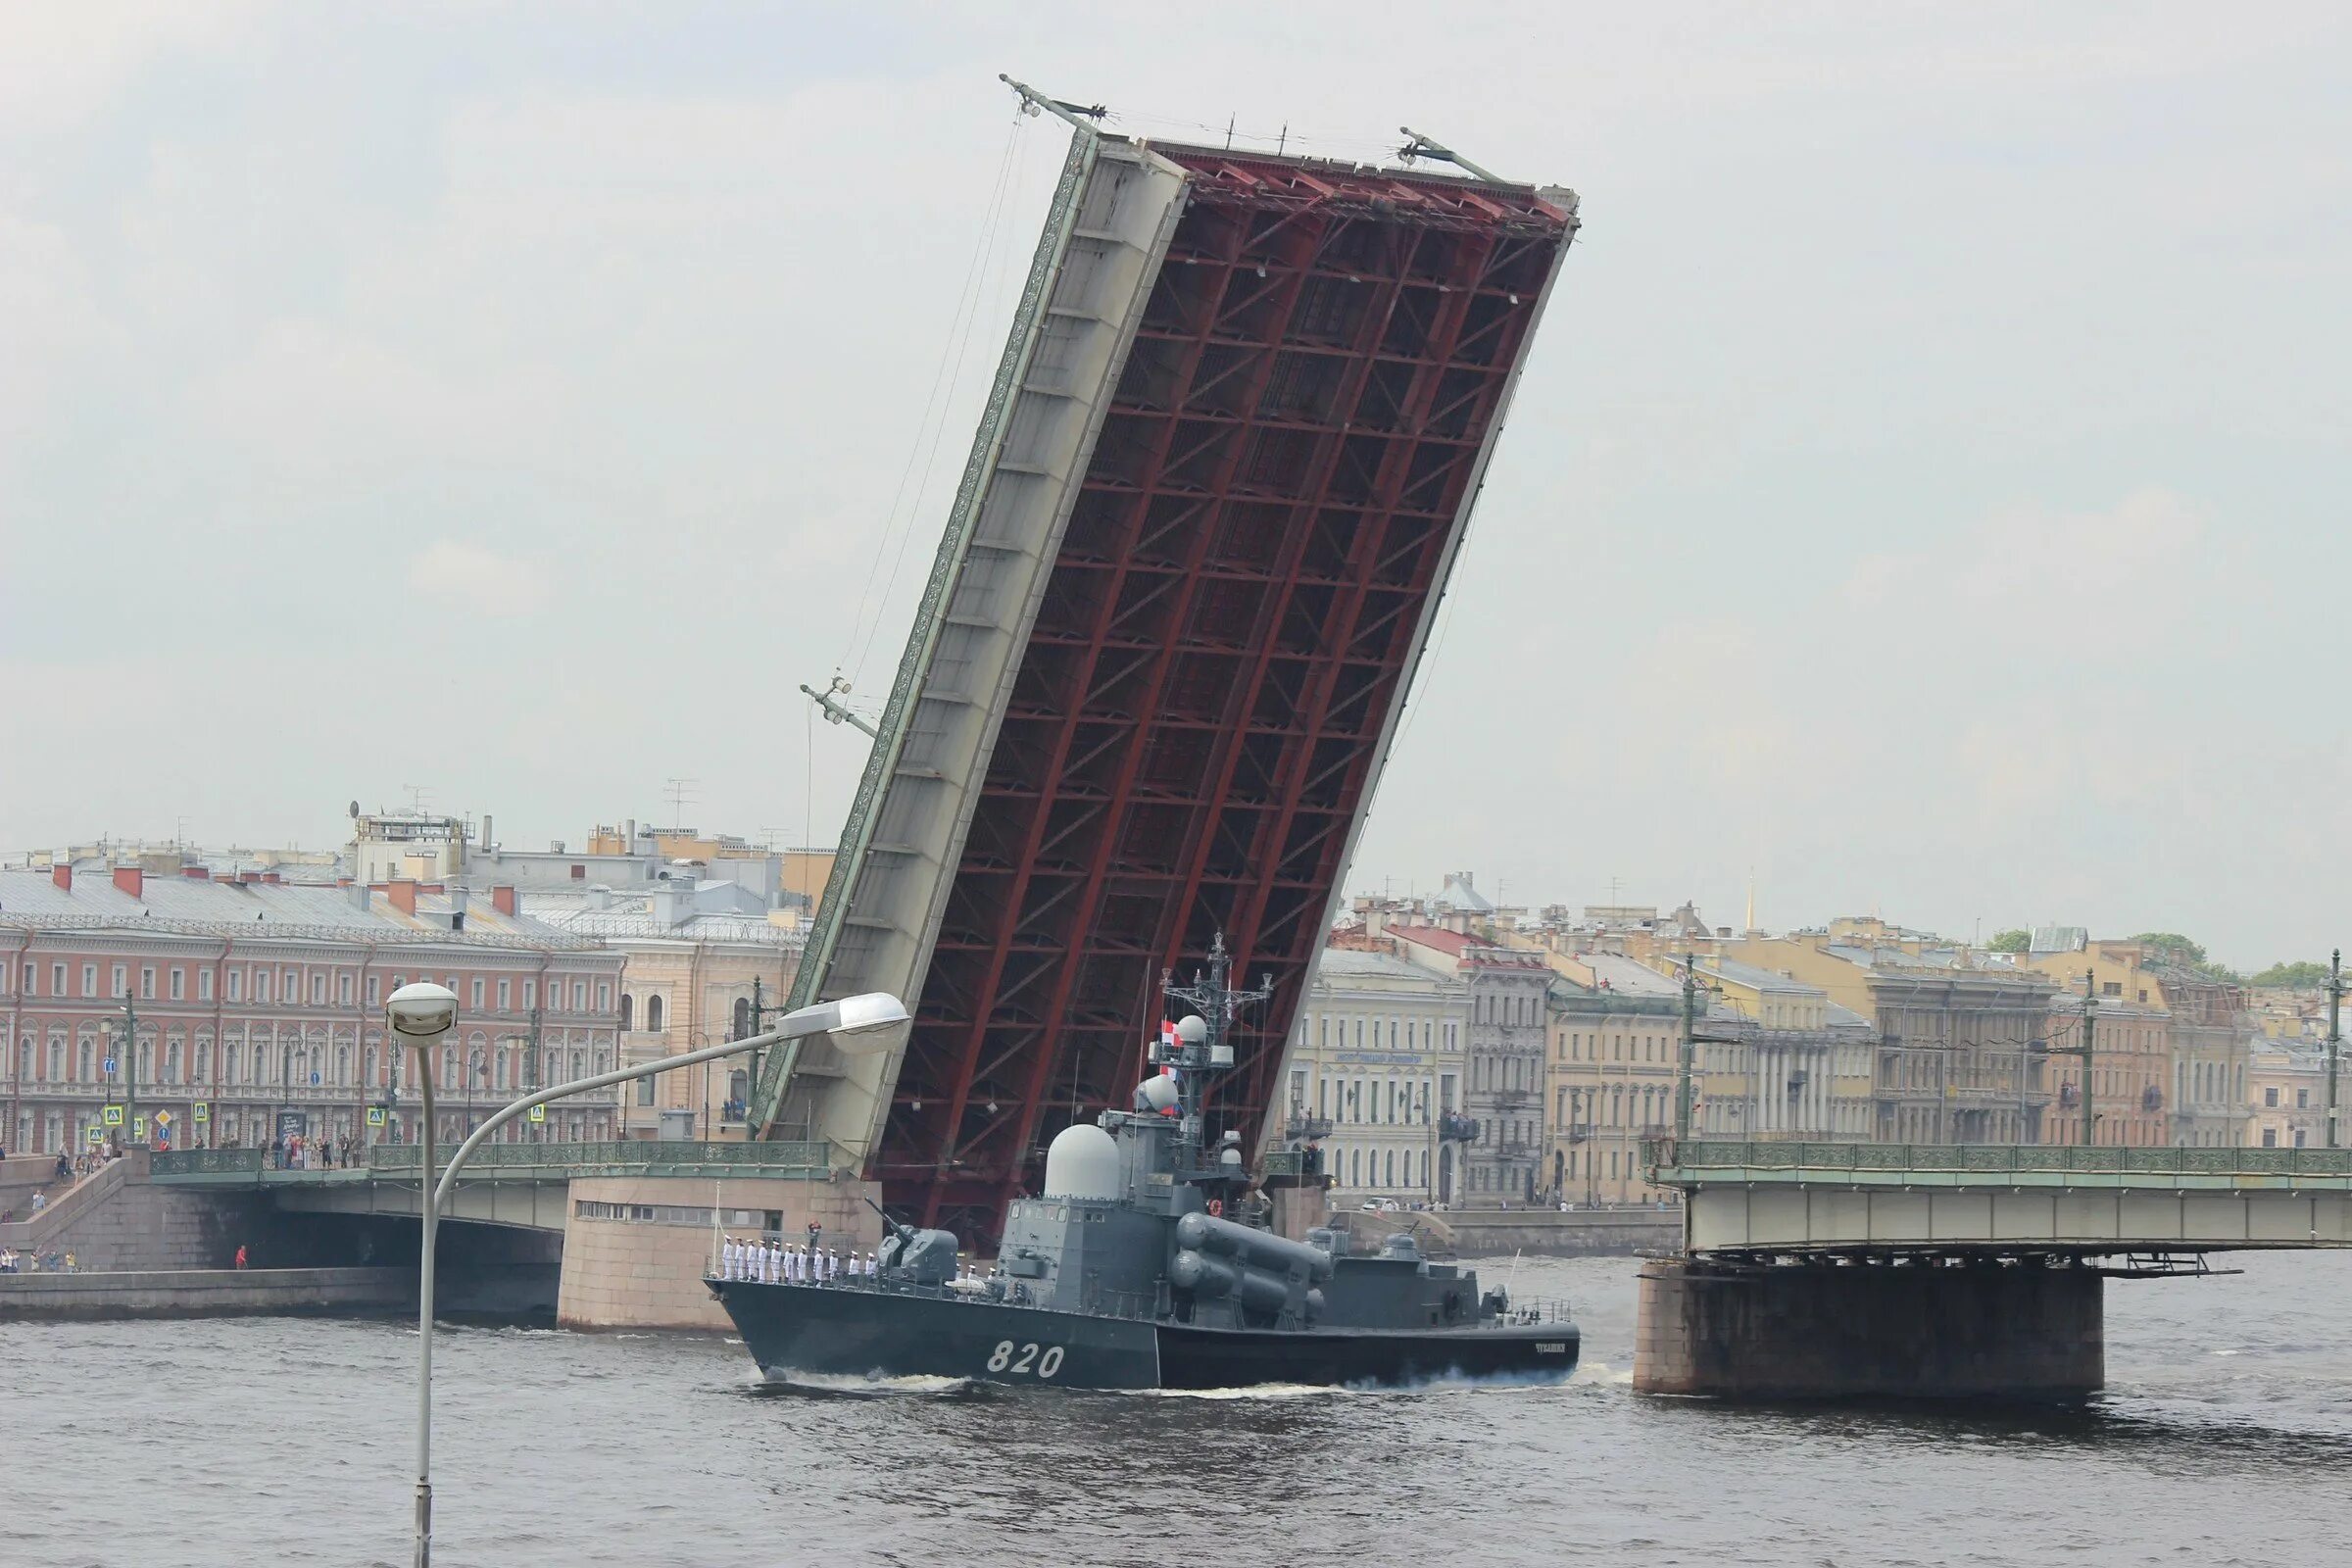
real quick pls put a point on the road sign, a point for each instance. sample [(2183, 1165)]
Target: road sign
[(97, 1135), (203, 1111), (110, 1067), (138, 1128), (114, 1115), (162, 1118), (538, 1113), (375, 1115)]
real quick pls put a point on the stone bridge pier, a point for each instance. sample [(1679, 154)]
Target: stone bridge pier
[(1951, 1328), (1943, 1271)]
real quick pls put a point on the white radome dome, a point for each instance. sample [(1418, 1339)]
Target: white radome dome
[(1082, 1162)]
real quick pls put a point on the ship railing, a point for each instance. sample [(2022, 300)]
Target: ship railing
[(1527, 1309)]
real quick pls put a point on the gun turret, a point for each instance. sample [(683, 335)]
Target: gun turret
[(927, 1258)]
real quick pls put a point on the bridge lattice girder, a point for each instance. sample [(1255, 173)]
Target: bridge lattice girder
[(1221, 650)]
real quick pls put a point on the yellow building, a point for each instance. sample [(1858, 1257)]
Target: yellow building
[(1777, 1058), (696, 957), (2288, 1089), (1613, 1062), (1956, 1060), (2132, 1040)]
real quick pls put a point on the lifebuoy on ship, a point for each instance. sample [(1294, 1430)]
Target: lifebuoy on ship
[(1216, 1209)]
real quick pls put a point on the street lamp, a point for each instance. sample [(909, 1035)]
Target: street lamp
[(422, 1012), (432, 1011)]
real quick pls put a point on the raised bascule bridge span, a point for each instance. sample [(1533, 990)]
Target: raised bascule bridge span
[(1222, 475), (1823, 1269)]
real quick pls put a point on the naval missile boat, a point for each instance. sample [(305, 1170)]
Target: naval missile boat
[(1150, 1262)]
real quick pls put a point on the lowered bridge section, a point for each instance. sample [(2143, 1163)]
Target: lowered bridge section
[(602, 1235), (1814, 1270)]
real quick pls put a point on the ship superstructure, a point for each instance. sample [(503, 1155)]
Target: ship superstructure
[(1148, 1260)]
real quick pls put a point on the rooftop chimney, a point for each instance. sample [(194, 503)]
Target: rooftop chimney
[(197, 873), (402, 892), (488, 843), (61, 872), (504, 900), (131, 880), (272, 878)]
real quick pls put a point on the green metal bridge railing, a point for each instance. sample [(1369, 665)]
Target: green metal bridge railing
[(400, 1162), (1695, 1160)]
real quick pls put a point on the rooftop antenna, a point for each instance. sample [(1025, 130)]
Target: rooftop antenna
[(416, 798), (679, 791), (1034, 102), (1417, 145)]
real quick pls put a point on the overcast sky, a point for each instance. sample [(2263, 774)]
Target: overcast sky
[(1927, 491)]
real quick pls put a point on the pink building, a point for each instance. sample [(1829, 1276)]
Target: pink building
[(259, 1003)]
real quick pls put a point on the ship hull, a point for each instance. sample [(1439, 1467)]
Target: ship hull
[(860, 1332)]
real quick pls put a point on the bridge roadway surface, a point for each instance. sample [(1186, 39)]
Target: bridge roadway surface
[(524, 1185), (1824, 1200)]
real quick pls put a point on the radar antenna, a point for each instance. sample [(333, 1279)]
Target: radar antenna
[(1216, 1004)]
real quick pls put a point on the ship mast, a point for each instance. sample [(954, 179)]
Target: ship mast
[(1217, 1005)]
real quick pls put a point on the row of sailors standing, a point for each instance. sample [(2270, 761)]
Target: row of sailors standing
[(771, 1263)]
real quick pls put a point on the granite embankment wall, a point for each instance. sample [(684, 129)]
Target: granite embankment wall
[(198, 1292), (117, 1221)]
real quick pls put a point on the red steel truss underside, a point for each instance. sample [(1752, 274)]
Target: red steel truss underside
[(1223, 635)]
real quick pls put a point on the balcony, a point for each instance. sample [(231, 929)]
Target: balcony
[(1301, 1128)]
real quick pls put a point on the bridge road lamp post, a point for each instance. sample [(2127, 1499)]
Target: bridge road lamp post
[(2335, 1036), (423, 1013)]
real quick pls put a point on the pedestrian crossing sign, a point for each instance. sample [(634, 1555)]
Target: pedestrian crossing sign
[(375, 1115), (538, 1113), (97, 1135), (138, 1127), (114, 1115), (203, 1111)]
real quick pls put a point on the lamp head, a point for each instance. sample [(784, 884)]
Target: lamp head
[(421, 1010), (858, 1023)]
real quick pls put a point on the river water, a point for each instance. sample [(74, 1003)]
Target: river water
[(2224, 1437)]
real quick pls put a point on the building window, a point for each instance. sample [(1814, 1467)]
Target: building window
[(179, 983), (204, 985), (481, 987), (147, 982), (531, 995), (260, 985), (604, 995), (506, 996), (236, 985), (629, 1009), (89, 979), (652, 1013), (343, 989), (644, 1097), (57, 978), (744, 1026), (374, 987), (579, 873), (317, 989)]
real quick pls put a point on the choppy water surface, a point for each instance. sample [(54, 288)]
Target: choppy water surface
[(2226, 1438)]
